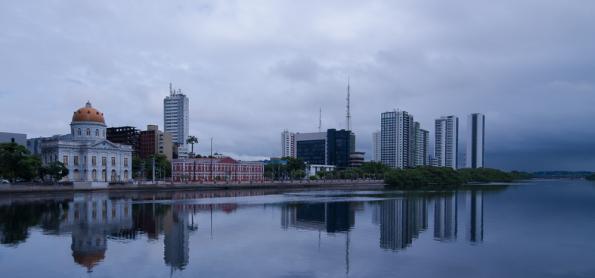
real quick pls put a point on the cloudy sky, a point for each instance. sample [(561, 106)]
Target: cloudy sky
[(253, 68)]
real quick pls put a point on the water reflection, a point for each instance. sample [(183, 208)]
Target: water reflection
[(401, 221), (474, 204), (330, 217), (92, 220), (445, 218)]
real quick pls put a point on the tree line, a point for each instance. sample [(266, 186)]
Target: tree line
[(17, 164)]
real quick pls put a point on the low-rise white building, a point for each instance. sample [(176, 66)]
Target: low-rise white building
[(91, 159), (313, 169)]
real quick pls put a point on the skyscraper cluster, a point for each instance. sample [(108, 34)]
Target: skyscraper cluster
[(402, 143)]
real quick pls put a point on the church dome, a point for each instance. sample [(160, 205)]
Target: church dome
[(88, 114)]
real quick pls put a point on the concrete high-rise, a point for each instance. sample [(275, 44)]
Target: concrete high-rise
[(447, 141), (422, 146), (376, 143), (153, 141), (397, 140), (288, 144), (475, 140), (176, 117)]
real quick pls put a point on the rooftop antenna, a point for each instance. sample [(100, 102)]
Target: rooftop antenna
[(171, 90), (348, 116), (320, 120)]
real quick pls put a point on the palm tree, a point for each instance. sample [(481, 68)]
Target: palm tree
[(192, 140)]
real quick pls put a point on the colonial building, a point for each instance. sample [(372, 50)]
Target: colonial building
[(90, 158), (218, 169)]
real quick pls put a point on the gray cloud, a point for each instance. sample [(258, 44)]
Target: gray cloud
[(254, 68)]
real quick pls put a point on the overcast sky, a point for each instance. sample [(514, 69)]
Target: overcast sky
[(253, 68)]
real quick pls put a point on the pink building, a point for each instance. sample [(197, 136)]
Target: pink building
[(218, 169)]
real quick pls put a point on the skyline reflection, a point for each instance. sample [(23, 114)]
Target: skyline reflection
[(94, 219)]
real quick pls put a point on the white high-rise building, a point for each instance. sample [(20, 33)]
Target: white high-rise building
[(288, 144), (376, 143), (176, 118), (422, 146), (397, 141), (475, 140), (447, 141)]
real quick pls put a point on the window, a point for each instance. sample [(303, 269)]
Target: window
[(88, 132), (113, 161), (65, 160), (76, 160), (93, 161), (97, 132), (79, 132), (125, 161), (85, 160), (103, 161)]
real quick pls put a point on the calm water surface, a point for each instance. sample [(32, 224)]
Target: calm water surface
[(537, 229)]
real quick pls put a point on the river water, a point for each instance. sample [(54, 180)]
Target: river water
[(533, 229)]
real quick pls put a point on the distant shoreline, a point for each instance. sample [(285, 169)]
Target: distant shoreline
[(336, 184)]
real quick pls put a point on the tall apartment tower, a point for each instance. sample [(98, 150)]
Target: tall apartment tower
[(376, 143), (422, 146), (175, 116), (288, 144), (475, 140), (396, 143), (447, 141)]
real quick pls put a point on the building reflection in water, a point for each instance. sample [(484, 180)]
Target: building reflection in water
[(401, 221), (90, 218), (474, 203), (176, 237), (445, 218), (330, 217)]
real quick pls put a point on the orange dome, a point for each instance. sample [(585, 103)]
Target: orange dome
[(88, 114)]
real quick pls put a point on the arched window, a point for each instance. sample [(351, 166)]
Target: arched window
[(88, 132), (97, 132), (79, 132)]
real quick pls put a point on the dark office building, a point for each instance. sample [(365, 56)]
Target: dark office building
[(311, 147), (332, 147), (341, 143), (126, 135)]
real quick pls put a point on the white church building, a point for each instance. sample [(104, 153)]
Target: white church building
[(91, 159)]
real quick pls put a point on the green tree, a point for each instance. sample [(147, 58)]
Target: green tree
[(162, 167), (15, 162), (192, 140), (294, 164), (137, 166), (55, 170)]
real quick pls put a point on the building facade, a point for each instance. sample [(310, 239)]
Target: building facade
[(216, 169), (397, 140), (19, 138), (376, 146), (90, 158), (153, 141), (288, 148), (125, 135), (332, 147), (447, 141), (475, 140), (422, 145), (340, 146), (176, 118), (311, 147)]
